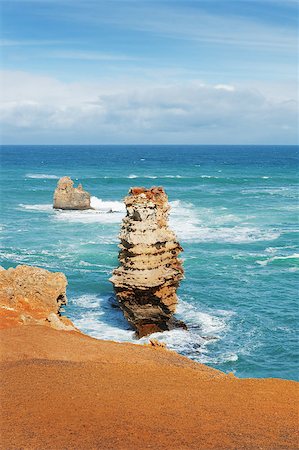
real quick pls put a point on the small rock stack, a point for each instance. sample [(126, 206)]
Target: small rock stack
[(66, 196), (150, 271)]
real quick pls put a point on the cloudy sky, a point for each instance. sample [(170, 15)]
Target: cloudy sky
[(147, 71)]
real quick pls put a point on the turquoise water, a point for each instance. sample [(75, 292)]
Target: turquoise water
[(234, 210)]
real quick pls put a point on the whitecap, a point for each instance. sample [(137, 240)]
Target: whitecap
[(37, 207), (105, 212), (277, 258), (202, 225), (107, 205), (97, 318), (42, 176)]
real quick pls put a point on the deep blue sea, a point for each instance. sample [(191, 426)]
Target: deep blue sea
[(234, 209)]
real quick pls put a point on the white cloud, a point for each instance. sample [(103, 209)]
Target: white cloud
[(45, 110), (225, 87)]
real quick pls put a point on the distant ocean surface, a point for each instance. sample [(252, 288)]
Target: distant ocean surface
[(234, 209)]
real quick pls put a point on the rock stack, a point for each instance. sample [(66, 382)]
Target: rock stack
[(66, 196), (30, 295), (150, 271)]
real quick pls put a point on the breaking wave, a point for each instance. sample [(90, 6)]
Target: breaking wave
[(42, 207), (41, 176), (265, 262), (189, 223), (97, 317)]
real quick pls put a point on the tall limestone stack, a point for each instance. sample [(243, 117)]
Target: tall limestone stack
[(66, 196), (150, 271)]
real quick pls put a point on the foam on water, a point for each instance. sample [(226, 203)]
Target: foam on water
[(265, 262), (185, 219), (133, 176), (105, 212), (96, 316), (106, 206), (41, 176), (42, 207)]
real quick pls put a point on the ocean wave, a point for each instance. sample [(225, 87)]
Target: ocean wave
[(41, 176), (133, 176), (37, 207), (107, 205), (185, 220), (96, 317), (207, 225), (265, 262), (290, 192), (105, 211)]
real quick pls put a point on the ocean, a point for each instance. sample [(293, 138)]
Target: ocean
[(234, 210)]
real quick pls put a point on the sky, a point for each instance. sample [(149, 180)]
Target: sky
[(149, 72)]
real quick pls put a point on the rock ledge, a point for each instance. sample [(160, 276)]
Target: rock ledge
[(30, 295)]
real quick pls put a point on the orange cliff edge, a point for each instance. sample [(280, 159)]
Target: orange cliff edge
[(64, 390)]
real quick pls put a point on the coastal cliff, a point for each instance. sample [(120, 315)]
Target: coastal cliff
[(30, 295), (66, 196), (150, 271), (61, 389)]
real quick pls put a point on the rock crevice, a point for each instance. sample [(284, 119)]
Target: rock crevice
[(150, 271)]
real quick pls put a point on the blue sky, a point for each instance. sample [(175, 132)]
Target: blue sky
[(198, 72)]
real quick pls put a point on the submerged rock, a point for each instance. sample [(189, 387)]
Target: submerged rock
[(150, 271), (66, 196), (30, 295)]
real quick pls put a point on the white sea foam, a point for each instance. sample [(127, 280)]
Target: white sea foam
[(97, 318), (106, 206), (285, 191), (133, 176), (189, 228), (187, 222), (37, 207), (277, 258), (185, 219), (106, 212), (42, 176)]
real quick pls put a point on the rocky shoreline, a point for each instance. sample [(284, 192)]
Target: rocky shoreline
[(64, 390)]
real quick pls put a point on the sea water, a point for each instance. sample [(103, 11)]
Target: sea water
[(234, 210)]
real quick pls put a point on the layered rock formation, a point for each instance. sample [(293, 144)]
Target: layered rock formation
[(150, 271), (30, 295), (66, 196)]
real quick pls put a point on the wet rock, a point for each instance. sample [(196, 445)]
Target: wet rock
[(150, 271), (66, 196)]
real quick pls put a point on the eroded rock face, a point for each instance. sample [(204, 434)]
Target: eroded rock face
[(30, 295), (66, 196), (150, 271)]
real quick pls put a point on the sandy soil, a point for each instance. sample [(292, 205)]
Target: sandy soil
[(64, 390)]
